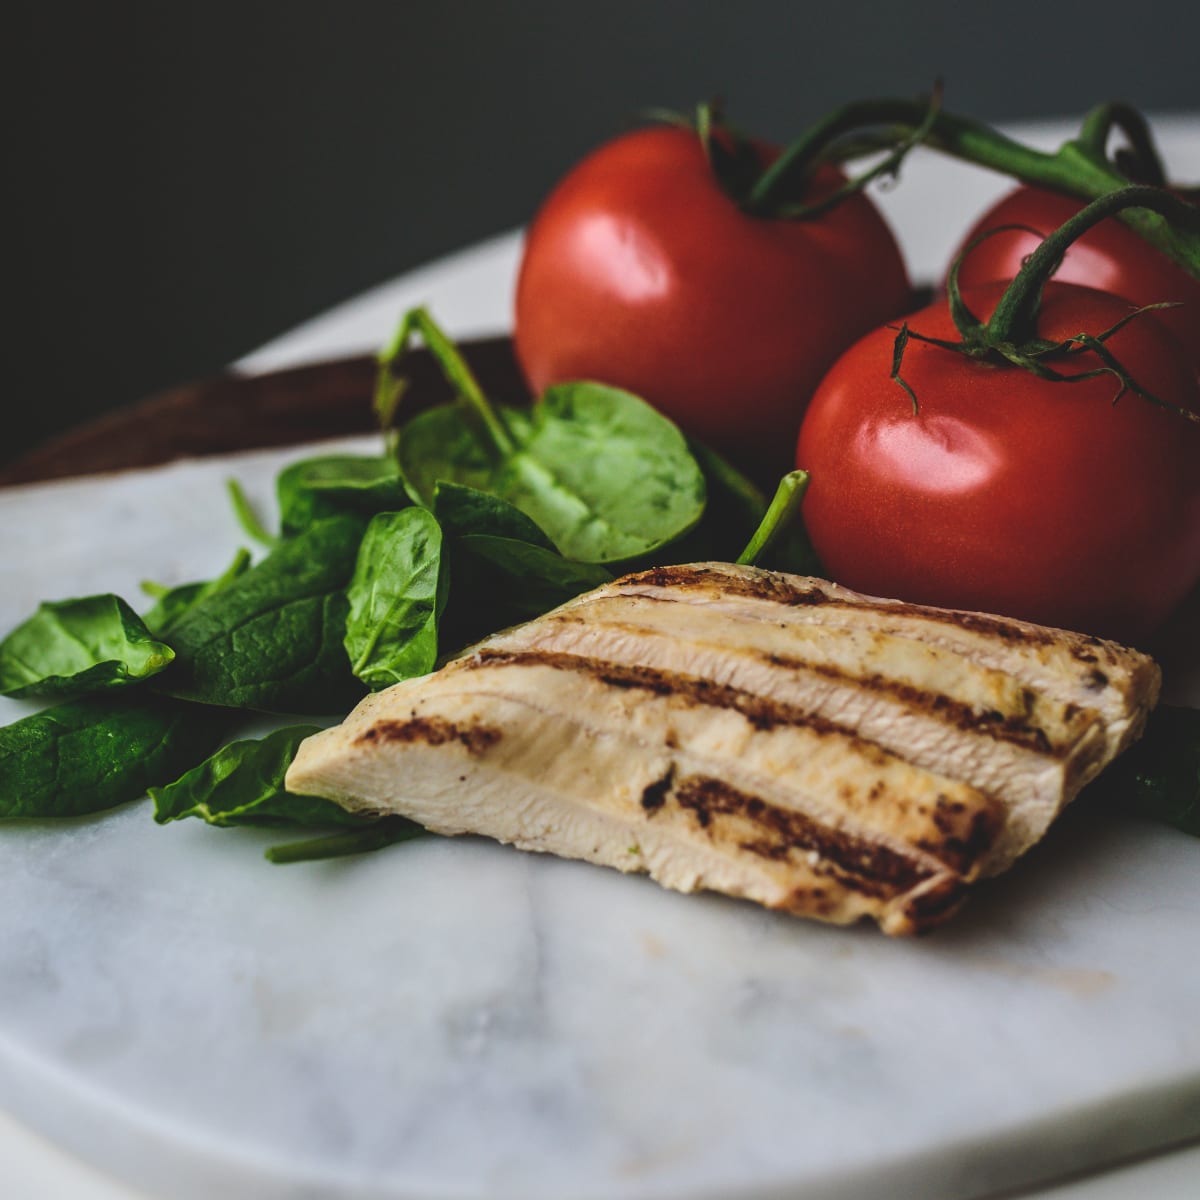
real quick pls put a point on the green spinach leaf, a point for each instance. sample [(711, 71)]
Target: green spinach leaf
[(387, 831), (88, 755), (242, 784), (603, 474), (504, 568), (396, 598), (501, 581), (173, 602), (72, 647), (272, 638), (316, 488), (466, 510)]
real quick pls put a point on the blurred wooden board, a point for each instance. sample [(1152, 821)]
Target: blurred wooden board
[(232, 412)]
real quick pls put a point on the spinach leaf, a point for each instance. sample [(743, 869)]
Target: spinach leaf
[(604, 475), (601, 472), (316, 488), (88, 755), (1159, 777), (387, 831), (396, 598), (732, 516), (733, 508), (72, 647), (272, 638), (505, 570), (463, 510), (242, 784), (173, 602), (501, 581)]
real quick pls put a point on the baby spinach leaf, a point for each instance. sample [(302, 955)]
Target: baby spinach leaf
[(272, 638), (733, 508), (387, 831), (173, 602), (501, 581), (316, 488), (463, 510), (243, 784), (91, 754), (603, 474), (72, 647), (396, 598), (1159, 777), (504, 568)]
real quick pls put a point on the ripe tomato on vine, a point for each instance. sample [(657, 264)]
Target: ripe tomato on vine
[(650, 268)]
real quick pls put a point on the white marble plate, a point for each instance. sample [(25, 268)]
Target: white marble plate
[(453, 1018)]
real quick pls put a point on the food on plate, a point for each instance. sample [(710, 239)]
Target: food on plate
[(766, 735), (646, 269), (1031, 451)]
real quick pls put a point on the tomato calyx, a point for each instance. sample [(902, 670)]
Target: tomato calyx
[(1010, 335)]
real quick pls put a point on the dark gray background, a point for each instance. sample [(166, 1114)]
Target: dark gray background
[(187, 180)]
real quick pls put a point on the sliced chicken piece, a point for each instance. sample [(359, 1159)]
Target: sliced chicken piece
[(705, 725)]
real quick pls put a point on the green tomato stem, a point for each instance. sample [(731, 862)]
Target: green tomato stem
[(1014, 319), (1104, 118), (784, 506), (1079, 167)]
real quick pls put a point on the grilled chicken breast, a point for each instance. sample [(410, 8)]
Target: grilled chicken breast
[(764, 735)]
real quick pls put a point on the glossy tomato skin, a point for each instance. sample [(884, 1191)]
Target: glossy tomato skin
[(1005, 493), (1110, 257), (640, 271)]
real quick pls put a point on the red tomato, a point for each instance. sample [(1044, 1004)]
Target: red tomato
[(639, 271), (1004, 492), (1110, 257)]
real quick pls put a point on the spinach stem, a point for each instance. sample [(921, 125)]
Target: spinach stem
[(779, 515), (454, 368), (247, 518)]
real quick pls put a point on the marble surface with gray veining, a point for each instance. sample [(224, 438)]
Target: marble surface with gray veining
[(457, 1019)]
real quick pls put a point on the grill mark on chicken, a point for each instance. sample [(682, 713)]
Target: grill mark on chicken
[(434, 731), (654, 795), (858, 863), (761, 712), (955, 828), (1018, 730), (779, 589)]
